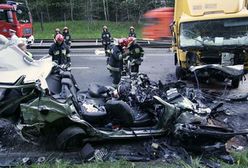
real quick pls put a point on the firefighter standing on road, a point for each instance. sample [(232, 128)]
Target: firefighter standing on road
[(67, 36), (136, 53), (116, 61), (132, 32), (106, 38), (60, 51)]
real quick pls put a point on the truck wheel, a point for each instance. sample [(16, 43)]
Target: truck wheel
[(180, 73), (235, 83), (70, 138)]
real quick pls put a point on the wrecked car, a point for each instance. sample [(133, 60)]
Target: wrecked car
[(43, 100)]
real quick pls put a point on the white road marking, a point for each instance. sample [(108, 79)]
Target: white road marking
[(79, 68), (99, 52)]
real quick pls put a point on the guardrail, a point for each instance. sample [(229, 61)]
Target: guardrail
[(46, 43), (97, 40)]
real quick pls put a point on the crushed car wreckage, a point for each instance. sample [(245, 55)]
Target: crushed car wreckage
[(43, 99), (219, 73)]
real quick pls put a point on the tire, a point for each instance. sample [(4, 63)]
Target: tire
[(70, 138), (235, 83), (180, 73)]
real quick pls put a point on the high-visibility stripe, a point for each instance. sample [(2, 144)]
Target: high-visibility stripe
[(120, 57), (113, 68)]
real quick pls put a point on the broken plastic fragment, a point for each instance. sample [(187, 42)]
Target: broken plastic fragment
[(26, 161)]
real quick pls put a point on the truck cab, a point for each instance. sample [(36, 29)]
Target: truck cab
[(211, 37), (16, 16), (157, 24)]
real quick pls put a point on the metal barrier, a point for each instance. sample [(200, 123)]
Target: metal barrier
[(46, 43)]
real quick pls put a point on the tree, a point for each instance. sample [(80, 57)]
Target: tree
[(105, 9), (71, 9), (113, 10)]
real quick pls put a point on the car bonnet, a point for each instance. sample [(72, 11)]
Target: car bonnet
[(14, 64)]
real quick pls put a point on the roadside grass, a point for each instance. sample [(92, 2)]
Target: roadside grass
[(86, 30), (240, 157), (119, 164), (241, 160)]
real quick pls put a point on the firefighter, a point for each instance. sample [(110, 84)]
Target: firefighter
[(136, 53), (57, 31), (60, 51), (132, 32), (106, 39), (67, 36), (14, 40), (116, 61)]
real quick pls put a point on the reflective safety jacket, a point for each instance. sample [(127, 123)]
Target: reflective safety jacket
[(67, 38), (106, 38), (132, 34), (115, 62), (136, 51), (60, 53)]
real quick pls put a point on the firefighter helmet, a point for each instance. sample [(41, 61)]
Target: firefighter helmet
[(123, 42), (131, 40), (59, 38), (57, 30)]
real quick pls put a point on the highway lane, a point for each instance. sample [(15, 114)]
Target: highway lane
[(88, 67), (84, 51)]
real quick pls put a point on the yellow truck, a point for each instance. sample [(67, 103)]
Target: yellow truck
[(210, 39)]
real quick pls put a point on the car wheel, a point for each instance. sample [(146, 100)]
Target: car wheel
[(70, 138), (235, 82), (180, 73)]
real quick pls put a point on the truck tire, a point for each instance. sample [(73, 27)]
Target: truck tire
[(235, 83), (180, 73), (70, 138)]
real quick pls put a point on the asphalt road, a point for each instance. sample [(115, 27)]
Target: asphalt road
[(88, 67)]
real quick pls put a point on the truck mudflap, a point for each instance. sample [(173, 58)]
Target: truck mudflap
[(230, 72)]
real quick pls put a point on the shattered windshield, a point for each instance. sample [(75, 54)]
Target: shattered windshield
[(225, 32)]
